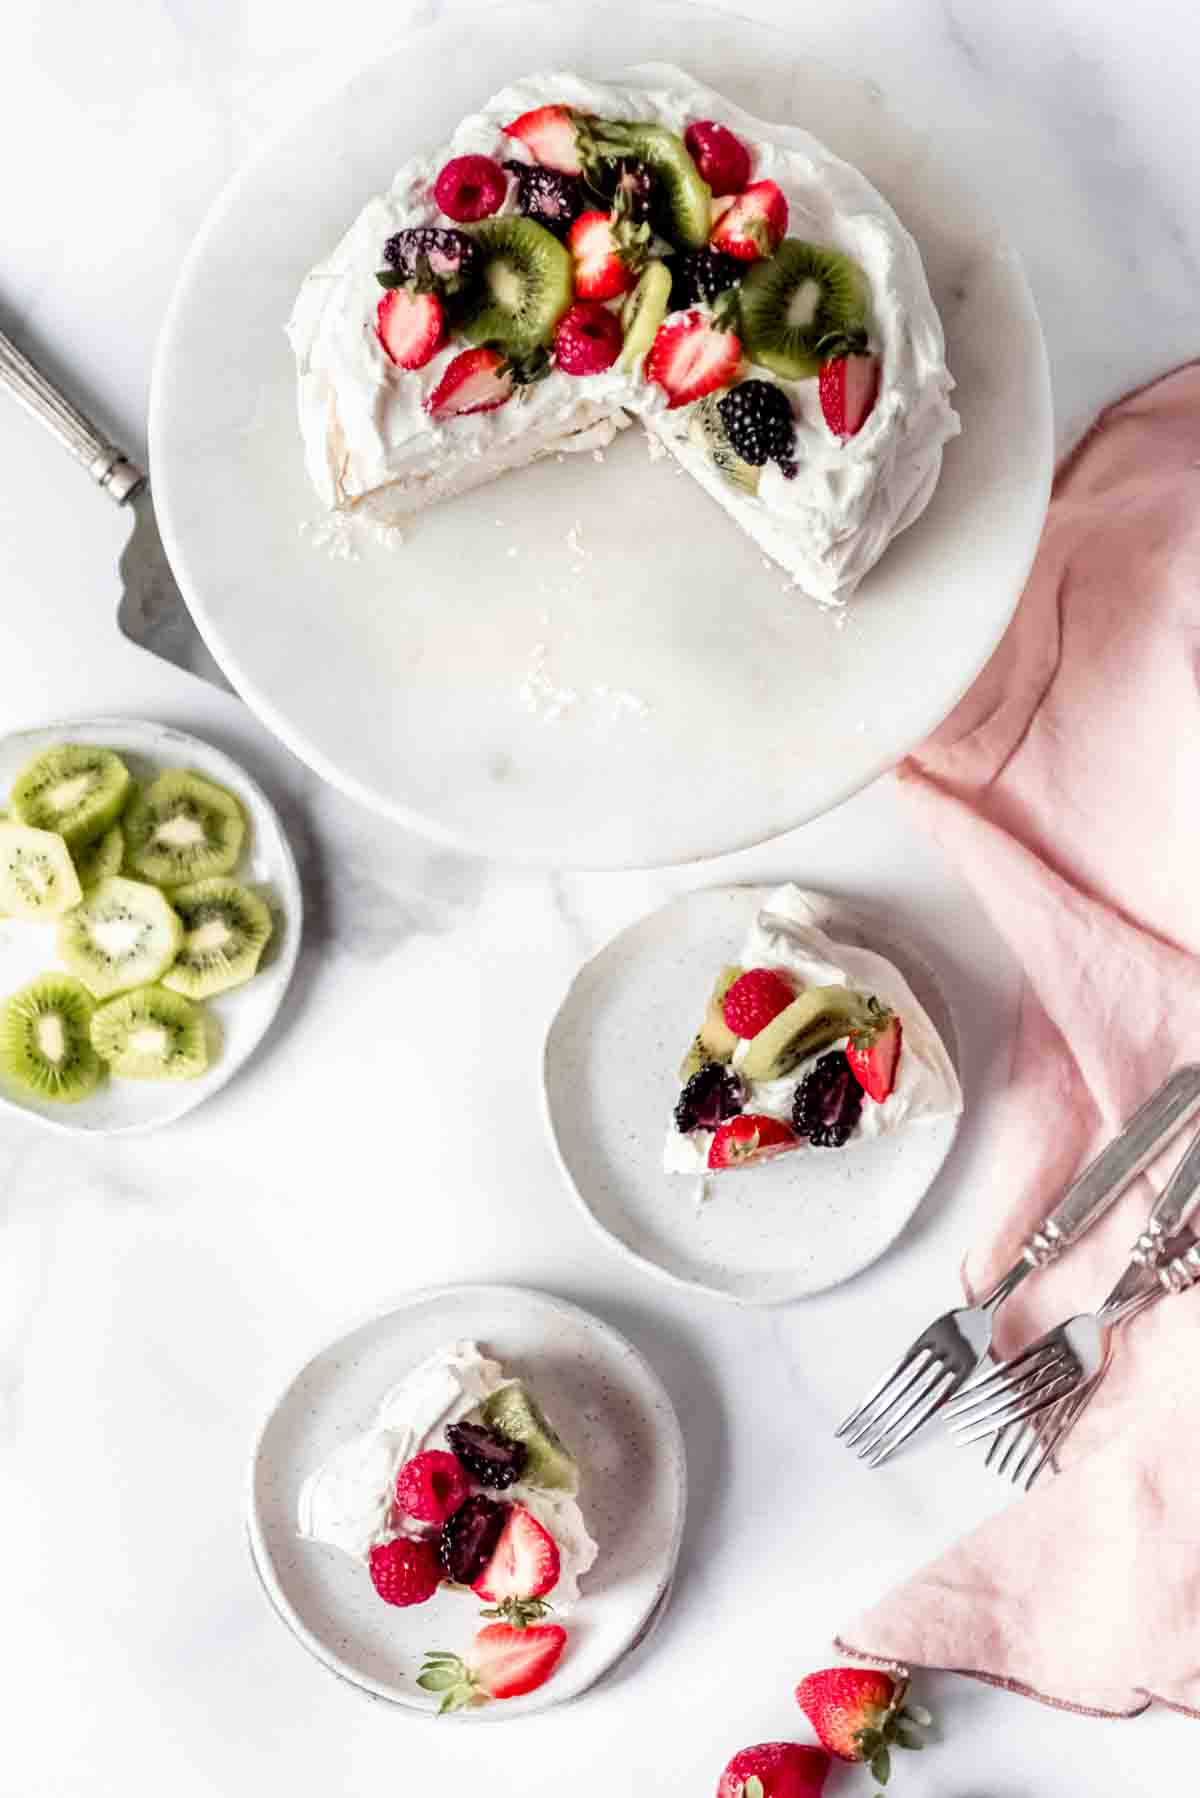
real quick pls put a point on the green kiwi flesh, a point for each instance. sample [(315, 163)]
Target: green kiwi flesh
[(801, 305), (74, 789), (151, 1034), (810, 1023), (225, 929), (45, 1039), (183, 828), (684, 216), (37, 875), (643, 312), (123, 934), (714, 1041), (101, 857), (707, 432), (513, 1411), (526, 286)]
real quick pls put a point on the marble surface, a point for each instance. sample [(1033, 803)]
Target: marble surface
[(153, 1294)]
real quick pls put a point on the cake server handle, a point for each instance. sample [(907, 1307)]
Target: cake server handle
[(108, 466)]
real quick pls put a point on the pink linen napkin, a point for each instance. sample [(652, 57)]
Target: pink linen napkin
[(1066, 787)]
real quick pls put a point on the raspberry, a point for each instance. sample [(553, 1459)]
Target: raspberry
[(588, 339), (722, 159), (755, 999), (470, 188), (404, 1572), (828, 1102), (431, 1486)]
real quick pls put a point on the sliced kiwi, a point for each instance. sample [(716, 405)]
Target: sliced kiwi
[(810, 1023), (45, 1039), (122, 935), (714, 1041), (225, 929), (526, 286), (74, 789), (515, 1412), (182, 828), (37, 875), (151, 1035), (801, 306), (707, 431), (101, 857), (683, 205), (644, 311)]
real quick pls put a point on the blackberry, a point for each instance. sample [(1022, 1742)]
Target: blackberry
[(433, 258), (490, 1456), (710, 1097), (828, 1102), (548, 197), (701, 275), (468, 1539), (758, 421)]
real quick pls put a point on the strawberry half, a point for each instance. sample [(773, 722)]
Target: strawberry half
[(691, 356), (505, 1662), (752, 225), (748, 1138), (859, 1714), (849, 386), (549, 133), (874, 1051), (775, 1770), (476, 381), (524, 1565), (601, 270), (410, 326)]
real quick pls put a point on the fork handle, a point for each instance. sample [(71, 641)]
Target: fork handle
[(107, 465), (1103, 1181)]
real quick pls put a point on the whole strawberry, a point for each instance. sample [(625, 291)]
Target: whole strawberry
[(859, 1714), (775, 1770)]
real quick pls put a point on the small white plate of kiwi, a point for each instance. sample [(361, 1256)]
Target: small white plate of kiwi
[(150, 918)]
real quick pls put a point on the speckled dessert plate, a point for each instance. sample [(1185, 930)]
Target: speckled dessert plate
[(238, 1019), (615, 1416), (584, 663), (766, 1234)]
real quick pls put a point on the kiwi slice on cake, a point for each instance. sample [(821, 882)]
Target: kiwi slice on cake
[(45, 1039), (225, 929), (101, 857), (183, 828), (682, 211), (801, 306), (122, 935), (810, 1023), (706, 428), (715, 1041), (74, 789), (525, 288), (515, 1412), (151, 1035), (37, 875), (644, 311)]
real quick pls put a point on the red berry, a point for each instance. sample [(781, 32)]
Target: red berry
[(549, 134), (588, 339), (476, 381), (783, 1770), (525, 1562), (754, 999), (404, 1572), (874, 1052), (722, 159), (844, 1703), (691, 357), (470, 188), (750, 1137), (752, 225), (848, 386), (431, 1486), (505, 1662), (600, 272), (410, 326)]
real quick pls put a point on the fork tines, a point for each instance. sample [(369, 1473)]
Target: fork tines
[(876, 1429), (1042, 1375)]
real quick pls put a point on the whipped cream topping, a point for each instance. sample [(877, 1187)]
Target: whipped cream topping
[(926, 1086), (347, 1502), (369, 442)]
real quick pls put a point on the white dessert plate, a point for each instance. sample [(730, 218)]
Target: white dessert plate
[(239, 1018), (765, 1234), (585, 663), (614, 1415)]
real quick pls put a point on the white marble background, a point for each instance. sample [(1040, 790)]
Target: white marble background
[(153, 1295)]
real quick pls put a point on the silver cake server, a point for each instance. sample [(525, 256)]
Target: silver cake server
[(151, 611)]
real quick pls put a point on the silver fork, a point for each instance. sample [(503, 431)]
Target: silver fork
[(943, 1358), (1056, 1376)]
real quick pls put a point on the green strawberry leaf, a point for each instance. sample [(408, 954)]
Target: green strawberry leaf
[(907, 1737), (881, 1766), (916, 1713)]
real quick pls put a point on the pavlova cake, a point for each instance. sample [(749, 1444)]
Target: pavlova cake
[(806, 1043), (581, 255), (461, 1482)]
